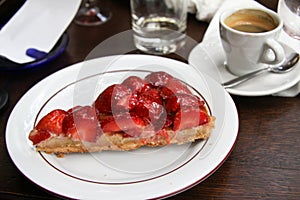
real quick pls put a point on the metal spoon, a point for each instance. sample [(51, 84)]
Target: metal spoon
[(287, 66)]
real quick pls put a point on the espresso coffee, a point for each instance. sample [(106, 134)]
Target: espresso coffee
[(251, 21)]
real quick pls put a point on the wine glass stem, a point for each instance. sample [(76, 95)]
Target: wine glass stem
[(90, 14), (89, 3)]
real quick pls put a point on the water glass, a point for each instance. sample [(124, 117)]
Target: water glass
[(159, 25), (289, 11)]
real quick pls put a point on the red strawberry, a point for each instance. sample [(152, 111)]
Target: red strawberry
[(149, 101), (177, 101), (188, 118), (73, 109), (129, 123), (158, 78), (165, 92), (169, 121), (36, 136), (174, 86), (112, 96), (150, 96), (52, 122), (136, 84), (133, 100), (126, 103), (108, 124), (82, 124), (154, 114), (150, 108)]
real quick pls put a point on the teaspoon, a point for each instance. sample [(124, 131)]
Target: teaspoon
[(286, 66)]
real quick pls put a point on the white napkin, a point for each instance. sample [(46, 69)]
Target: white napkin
[(207, 7), (204, 9), (38, 24)]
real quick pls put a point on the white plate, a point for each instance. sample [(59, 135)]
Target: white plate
[(142, 174), (209, 58)]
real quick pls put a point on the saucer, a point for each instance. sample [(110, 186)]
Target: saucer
[(209, 58)]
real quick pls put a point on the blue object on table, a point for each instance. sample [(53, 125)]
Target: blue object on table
[(35, 53)]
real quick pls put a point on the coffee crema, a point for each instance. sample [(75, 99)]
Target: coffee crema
[(251, 21)]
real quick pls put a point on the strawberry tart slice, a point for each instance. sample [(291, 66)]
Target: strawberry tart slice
[(156, 110)]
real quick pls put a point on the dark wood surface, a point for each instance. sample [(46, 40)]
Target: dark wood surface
[(264, 164)]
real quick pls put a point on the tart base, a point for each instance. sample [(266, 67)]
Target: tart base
[(118, 142)]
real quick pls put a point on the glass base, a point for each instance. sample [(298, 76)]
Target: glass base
[(295, 35), (91, 16), (159, 46)]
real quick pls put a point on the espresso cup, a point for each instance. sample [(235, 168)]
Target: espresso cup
[(249, 38)]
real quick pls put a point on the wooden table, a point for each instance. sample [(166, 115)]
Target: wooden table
[(264, 164)]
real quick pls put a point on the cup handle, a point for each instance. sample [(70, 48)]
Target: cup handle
[(277, 49)]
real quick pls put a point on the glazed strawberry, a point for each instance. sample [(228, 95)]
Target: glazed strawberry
[(129, 123), (116, 95), (150, 96), (153, 114), (188, 118), (108, 124), (103, 101), (82, 124), (165, 92), (150, 108), (136, 84), (158, 78), (175, 102), (37, 136), (73, 109), (126, 103), (169, 121), (174, 86), (52, 122)]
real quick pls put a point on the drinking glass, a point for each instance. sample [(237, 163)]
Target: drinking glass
[(90, 14), (289, 11), (159, 26)]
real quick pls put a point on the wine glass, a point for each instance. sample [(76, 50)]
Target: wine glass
[(90, 14), (289, 11)]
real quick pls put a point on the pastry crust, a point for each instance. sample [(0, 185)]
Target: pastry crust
[(118, 142)]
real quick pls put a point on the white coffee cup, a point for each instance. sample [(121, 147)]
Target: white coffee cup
[(249, 38)]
